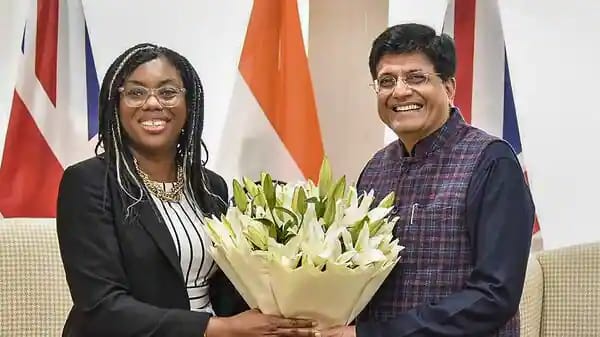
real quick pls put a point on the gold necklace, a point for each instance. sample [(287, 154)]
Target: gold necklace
[(156, 188)]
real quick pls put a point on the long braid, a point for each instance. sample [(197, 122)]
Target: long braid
[(190, 146)]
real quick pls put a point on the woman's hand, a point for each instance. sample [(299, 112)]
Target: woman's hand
[(252, 323), (340, 331)]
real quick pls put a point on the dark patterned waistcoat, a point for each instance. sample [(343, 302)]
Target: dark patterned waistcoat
[(431, 189)]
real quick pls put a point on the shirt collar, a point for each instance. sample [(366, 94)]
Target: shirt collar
[(436, 139)]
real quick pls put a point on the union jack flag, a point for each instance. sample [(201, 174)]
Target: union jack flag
[(54, 113), (484, 91)]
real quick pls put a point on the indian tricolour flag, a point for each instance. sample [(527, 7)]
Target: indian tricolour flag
[(272, 124)]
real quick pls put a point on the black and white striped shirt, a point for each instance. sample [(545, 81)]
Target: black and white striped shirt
[(183, 219)]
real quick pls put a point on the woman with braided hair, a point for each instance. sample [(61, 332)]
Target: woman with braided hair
[(128, 219)]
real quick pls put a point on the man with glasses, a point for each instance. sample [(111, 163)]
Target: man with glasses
[(465, 211)]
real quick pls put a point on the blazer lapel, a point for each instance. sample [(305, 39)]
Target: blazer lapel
[(153, 222)]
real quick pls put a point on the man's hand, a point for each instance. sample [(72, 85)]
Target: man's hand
[(252, 323), (340, 331)]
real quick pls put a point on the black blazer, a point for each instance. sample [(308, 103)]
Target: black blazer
[(124, 276)]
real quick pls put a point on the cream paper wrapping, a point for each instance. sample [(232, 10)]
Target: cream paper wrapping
[(333, 297)]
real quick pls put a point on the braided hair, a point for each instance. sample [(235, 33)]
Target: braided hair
[(190, 147)]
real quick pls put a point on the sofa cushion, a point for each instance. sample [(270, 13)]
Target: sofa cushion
[(34, 298)]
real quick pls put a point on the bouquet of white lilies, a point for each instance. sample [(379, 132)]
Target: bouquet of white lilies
[(305, 250)]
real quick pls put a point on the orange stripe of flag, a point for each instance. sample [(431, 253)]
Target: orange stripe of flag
[(274, 65)]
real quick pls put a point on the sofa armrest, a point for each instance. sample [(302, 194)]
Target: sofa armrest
[(530, 308), (571, 291)]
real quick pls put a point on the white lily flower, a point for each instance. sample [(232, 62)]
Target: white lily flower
[(233, 216), (333, 246), (257, 233), (351, 197), (388, 226), (314, 242), (283, 240), (365, 254), (347, 239), (368, 256), (355, 212), (284, 195), (375, 241), (339, 213), (331, 251), (378, 213), (345, 258), (218, 232), (312, 191), (310, 215), (388, 244), (288, 254)]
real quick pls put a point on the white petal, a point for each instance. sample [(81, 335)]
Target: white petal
[(346, 257), (362, 242), (378, 213), (368, 256), (347, 239)]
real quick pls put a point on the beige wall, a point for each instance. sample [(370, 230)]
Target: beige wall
[(340, 37)]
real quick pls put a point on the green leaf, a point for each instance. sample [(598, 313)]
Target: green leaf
[(278, 216), (269, 190), (259, 200), (250, 187), (287, 237), (287, 225), (295, 199), (329, 214), (338, 190), (284, 234), (271, 228), (241, 201), (320, 208), (301, 203), (355, 229), (375, 226), (273, 232), (324, 178), (266, 222), (288, 212), (362, 241), (388, 201)]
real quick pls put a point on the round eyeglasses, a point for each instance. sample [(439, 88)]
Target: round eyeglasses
[(136, 96)]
